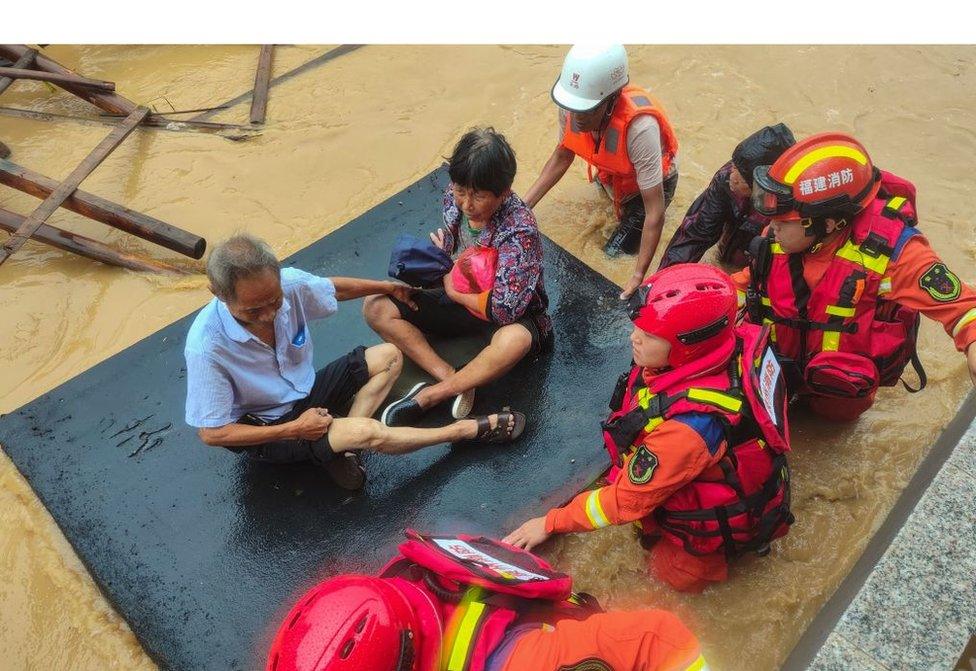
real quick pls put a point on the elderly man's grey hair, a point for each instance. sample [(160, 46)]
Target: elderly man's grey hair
[(237, 257)]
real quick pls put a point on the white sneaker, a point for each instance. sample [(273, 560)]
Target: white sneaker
[(463, 404)]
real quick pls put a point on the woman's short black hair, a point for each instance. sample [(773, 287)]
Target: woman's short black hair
[(484, 161)]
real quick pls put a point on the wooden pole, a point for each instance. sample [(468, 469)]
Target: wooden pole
[(25, 61), (109, 102), (65, 189), (304, 67), (105, 211), (224, 130), (92, 249), (262, 80), (55, 78)]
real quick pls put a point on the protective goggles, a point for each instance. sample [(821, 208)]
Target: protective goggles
[(769, 197)]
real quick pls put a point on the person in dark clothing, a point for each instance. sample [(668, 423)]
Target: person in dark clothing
[(723, 212)]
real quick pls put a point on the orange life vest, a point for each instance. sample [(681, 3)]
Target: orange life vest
[(608, 153)]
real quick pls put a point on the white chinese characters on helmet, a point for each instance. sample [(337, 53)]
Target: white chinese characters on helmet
[(590, 74)]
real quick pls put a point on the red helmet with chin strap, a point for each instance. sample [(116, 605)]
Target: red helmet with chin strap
[(691, 305), (359, 623)]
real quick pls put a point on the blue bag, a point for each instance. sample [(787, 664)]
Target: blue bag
[(418, 262)]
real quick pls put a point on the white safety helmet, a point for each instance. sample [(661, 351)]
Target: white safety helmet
[(591, 73)]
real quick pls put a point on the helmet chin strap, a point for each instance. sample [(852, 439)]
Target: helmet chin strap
[(816, 228)]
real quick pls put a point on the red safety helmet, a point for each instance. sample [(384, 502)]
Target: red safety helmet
[(359, 623), (691, 305), (828, 175)]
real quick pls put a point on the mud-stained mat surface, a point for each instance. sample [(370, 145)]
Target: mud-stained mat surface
[(203, 552)]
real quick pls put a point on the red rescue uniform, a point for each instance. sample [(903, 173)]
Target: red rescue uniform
[(644, 640), (907, 282), (683, 455)]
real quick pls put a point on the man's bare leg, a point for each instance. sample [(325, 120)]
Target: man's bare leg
[(363, 433), (384, 363), (384, 318), (508, 346)]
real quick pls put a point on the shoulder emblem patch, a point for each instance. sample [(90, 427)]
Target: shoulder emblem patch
[(941, 283), (592, 664), (642, 465)]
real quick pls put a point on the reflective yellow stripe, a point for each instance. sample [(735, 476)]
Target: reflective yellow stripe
[(820, 154), (965, 319), (776, 248), (724, 401), (594, 511), (852, 252), (840, 311), (831, 341), (462, 643), (652, 423), (740, 296), (895, 203), (885, 286), (698, 665), (644, 397), (766, 300)]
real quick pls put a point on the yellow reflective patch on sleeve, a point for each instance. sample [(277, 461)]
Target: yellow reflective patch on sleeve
[(885, 286), (967, 318), (698, 665), (594, 511)]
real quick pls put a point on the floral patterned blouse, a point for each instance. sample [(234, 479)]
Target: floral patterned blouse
[(519, 287)]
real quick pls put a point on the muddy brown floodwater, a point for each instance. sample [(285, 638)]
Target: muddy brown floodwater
[(342, 138)]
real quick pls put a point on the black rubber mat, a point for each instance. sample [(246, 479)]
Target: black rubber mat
[(203, 552)]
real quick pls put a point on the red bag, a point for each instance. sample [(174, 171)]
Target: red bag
[(841, 375), (474, 270), (484, 562)]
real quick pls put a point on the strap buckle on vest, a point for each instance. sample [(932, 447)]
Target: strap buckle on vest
[(875, 245)]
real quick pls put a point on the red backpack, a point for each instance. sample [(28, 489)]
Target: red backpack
[(484, 587)]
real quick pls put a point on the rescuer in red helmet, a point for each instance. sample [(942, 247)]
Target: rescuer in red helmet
[(697, 437), (842, 274), (472, 604)]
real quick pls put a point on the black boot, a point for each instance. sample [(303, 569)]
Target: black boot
[(625, 240)]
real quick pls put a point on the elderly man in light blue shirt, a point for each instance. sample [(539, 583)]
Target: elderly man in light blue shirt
[(251, 385)]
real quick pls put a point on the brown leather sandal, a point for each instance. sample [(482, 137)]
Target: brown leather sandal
[(506, 430)]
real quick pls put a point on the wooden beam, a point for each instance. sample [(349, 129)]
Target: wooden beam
[(67, 187), (92, 249), (105, 211), (25, 61), (55, 78), (262, 80), (305, 67), (109, 102), (224, 130)]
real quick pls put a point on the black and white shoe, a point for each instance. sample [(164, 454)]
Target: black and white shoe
[(404, 411), (463, 404)]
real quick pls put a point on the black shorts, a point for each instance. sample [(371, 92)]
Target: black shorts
[(335, 386), (438, 315)]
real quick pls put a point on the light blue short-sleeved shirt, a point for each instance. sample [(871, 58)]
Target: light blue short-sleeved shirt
[(230, 372)]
